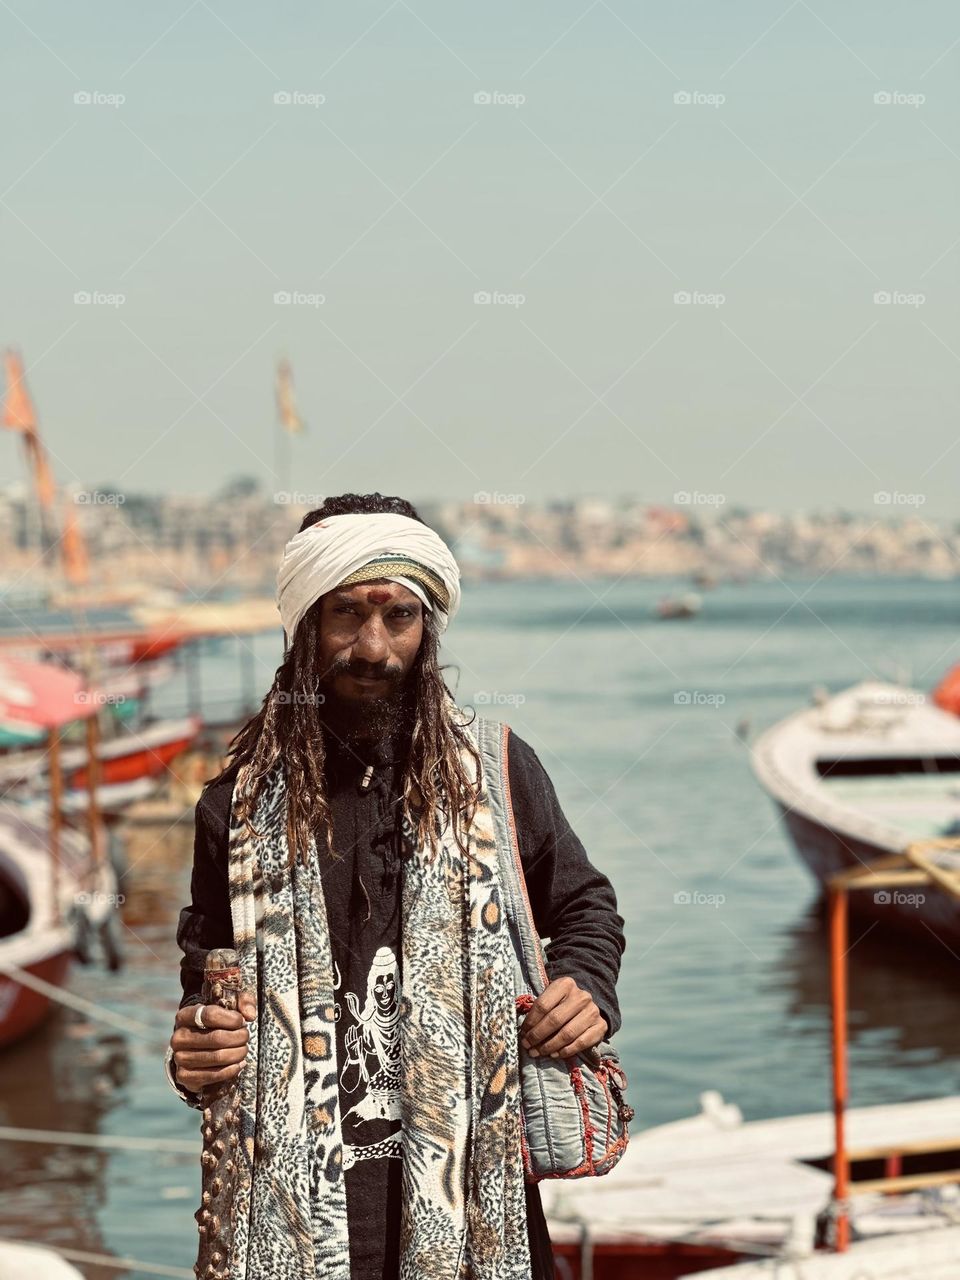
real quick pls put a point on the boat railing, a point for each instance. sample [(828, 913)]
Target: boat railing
[(917, 864)]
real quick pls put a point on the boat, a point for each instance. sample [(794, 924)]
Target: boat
[(933, 1256), (687, 605), (33, 1262), (863, 775), (134, 753), (58, 884), (714, 1193), (47, 910), (130, 766)]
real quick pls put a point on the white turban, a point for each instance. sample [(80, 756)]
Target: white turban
[(322, 556)]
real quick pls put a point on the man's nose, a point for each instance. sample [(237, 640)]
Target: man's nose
[(371, 642)]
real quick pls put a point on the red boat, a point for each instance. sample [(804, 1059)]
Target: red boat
[(57, 884), (143, 753), (42, 907)]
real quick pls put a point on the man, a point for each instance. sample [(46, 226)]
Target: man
[(375, 759)]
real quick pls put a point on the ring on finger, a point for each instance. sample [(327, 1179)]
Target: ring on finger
[(198, 1018)]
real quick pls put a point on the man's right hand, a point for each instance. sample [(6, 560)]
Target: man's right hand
[(210, 1057)]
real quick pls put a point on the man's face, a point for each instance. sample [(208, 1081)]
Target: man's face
[(369, 638)]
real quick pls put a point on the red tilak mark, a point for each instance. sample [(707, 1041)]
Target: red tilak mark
[(378, 597)]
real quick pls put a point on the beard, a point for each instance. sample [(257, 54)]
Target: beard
[(366, 719)]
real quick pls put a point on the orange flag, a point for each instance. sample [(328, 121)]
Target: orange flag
[(74, 549), (17, 406), (286, 403)]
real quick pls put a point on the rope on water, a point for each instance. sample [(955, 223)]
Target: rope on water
[(101, 1141), (106, 1260), (87, 1007)]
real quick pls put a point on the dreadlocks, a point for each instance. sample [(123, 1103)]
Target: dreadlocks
[(287, 728)]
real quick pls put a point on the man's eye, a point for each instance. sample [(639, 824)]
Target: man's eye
[(403, 613), (345, 608)]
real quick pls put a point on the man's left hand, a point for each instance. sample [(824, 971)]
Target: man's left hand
[(562, 1021)]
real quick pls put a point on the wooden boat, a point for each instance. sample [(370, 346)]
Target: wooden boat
[(134, 753), (131, 756), (45, 908), (933, 1256), (685, 606), (863, 775), (714, 1190), (57, 886)]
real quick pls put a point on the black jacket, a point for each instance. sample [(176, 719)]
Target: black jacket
[(573, 904)]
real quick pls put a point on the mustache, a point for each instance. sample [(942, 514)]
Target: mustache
[(371, 670)]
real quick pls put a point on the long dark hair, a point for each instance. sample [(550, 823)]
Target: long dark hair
[(287, 728)]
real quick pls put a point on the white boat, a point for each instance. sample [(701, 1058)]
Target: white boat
[(714, 1189), (934, 1256), (32, 1262), (868, 773)]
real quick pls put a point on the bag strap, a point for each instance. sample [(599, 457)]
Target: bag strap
[(492, 741)]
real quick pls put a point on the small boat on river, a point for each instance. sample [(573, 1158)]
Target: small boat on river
[(864, 775)]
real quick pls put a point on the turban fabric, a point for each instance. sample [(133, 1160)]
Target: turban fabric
[(342, 550)]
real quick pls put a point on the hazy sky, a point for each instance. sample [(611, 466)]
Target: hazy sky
[(782, 196)]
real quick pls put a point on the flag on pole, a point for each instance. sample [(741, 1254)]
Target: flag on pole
[(287, 412), (18, 412)]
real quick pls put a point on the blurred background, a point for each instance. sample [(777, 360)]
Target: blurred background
[(650, 311)]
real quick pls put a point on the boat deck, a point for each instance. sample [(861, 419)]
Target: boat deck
[(921, 805)]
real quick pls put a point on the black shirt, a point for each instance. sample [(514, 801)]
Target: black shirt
[(573, 904)]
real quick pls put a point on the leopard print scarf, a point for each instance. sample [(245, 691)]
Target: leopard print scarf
[(463, 1213)]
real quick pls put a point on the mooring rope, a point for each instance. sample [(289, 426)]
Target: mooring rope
[(101, 1141), (80, 1005)]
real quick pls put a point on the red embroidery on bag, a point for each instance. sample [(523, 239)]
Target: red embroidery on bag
[(591, 1167)]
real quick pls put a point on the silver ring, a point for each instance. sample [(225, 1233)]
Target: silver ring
[(198, 1018)]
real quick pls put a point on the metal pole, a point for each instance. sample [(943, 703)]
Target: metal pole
[(56, 819), (94, 826), (838, 1009)]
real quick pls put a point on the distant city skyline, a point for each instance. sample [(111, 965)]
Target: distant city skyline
[(555, 252)]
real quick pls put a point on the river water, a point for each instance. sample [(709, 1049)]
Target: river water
[(640, 725)]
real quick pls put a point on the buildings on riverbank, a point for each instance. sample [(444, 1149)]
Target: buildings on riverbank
[(234, 537)]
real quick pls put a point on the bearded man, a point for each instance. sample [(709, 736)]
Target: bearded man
[(343, 852)]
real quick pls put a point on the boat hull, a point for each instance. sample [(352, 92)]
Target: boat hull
[(23, 1009), (917, 909), (641, 1260)]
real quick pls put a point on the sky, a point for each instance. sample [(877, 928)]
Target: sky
[(550, 249)]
